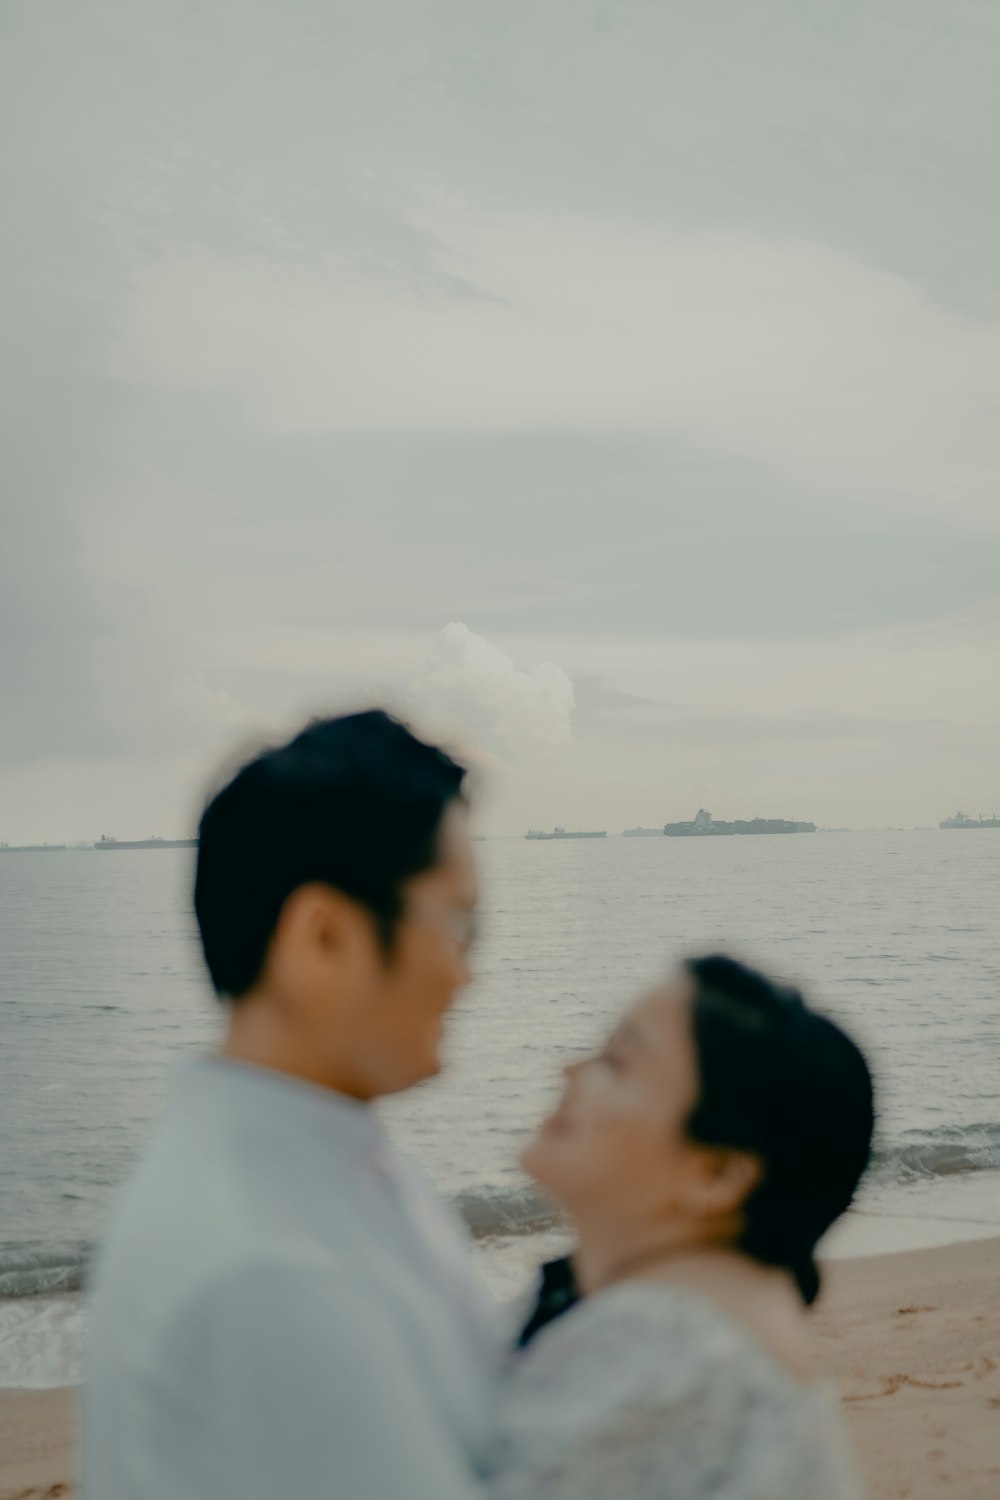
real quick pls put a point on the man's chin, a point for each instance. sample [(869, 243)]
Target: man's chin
[(432, 1065), (413, 1077)]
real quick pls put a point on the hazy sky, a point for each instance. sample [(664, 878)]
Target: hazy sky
[(612, 387)]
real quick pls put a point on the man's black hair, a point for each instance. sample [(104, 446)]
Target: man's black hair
[(355, 803), (785, 1083)]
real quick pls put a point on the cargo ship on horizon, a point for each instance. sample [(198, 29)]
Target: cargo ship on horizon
[(560, 833), (961, 820), (31, 848), (705, 826), (151, 843)]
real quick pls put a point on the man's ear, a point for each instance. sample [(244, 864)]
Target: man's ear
[(318, 916), (320, 932)]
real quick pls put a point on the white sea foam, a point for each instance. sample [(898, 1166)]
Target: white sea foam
[(40, 1340)]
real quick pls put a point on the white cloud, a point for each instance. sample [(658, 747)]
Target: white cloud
[(471, 692), (847, 380), (941, 669)]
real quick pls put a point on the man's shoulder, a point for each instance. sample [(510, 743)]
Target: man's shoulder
[(158, 1294), (186, 1219), (177, 1191)]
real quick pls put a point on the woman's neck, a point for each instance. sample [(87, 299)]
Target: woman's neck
[(606, 1255)]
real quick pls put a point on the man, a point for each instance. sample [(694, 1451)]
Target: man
[(282, 1308)]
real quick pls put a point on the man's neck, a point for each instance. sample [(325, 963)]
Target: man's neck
[(259, 1035)]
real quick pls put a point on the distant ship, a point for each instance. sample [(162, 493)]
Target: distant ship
[(705, 826), (961, 821), (29, 848), (642, 833), (151, 843), (560, 833)]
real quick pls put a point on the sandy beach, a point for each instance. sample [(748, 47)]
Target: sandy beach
[(36, 1444), (913, 1340)]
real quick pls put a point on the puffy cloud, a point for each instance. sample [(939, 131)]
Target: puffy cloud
[(471, 692)]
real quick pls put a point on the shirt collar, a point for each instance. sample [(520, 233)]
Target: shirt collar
[(280, 1100)]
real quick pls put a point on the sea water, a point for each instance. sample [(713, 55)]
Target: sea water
[(895, 934)]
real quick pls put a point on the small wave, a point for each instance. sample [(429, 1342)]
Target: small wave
[(510, 1211), (495, 1213), (41, 1273), (947, 1151)]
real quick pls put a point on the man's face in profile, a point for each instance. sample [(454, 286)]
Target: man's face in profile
[(349, 1011), (417, 982)]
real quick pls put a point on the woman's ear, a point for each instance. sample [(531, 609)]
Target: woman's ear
[(724, 1181)]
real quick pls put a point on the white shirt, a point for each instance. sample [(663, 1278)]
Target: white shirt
[(282, 1309)]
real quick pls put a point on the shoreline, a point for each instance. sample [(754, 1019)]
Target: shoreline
[(912, 1338), (41, 1333)]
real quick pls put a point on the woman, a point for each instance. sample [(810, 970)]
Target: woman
[(700, 1156)]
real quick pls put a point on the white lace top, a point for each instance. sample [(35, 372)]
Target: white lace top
[(650, 1392)]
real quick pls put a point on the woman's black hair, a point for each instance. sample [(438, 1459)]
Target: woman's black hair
[(789, 1086)]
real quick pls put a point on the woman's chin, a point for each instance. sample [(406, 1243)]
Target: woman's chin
[(537, 1159), (528, 1158)]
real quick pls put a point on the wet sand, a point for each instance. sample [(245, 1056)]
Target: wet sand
[(36, 1444)]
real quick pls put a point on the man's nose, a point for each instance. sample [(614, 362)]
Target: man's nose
[(463, 969)]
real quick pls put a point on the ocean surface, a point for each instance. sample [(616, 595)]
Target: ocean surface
[(896, 934)]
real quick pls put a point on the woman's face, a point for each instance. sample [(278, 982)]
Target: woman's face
[(617, 1144)]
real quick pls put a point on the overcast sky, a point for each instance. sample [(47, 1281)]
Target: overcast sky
[(612, 387)]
